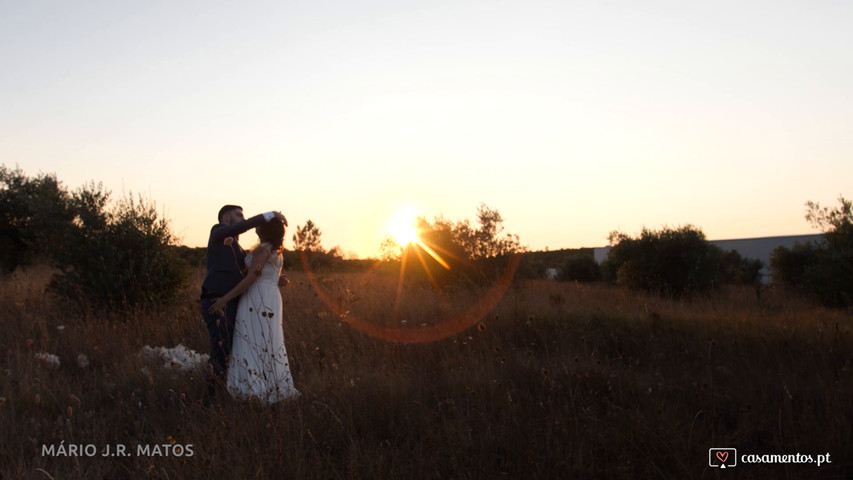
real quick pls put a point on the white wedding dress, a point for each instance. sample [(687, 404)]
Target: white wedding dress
[(259, 367)]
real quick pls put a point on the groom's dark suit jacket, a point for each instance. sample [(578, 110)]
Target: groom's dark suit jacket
[(225, 263)]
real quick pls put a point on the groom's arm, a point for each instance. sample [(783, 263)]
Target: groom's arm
[(221, 232)]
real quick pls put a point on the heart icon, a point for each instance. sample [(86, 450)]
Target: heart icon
[(723, 456)]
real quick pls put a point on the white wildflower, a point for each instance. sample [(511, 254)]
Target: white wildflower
[(49, 359), (178, 357), (82, 360)]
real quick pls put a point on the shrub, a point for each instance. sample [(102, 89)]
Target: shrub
[(580, 268), (119, 257), (822, 271), (316, 261), (485, 241), (455, 254), (789, 265), (437, 256), (669, 262), (733, 268), (33, 214)]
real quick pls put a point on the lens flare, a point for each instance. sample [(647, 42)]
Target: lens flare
[(405, 234)]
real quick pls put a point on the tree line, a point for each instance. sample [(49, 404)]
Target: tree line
[(121, 254), (681, 262)]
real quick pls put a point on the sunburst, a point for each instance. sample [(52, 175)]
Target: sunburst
[(403, 229)]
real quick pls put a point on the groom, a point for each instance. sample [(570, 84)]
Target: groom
[(225, 269)]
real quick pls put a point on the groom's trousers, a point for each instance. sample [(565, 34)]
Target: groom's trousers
[(220, 330)]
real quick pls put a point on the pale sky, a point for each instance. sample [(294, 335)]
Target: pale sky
[(572, 119)]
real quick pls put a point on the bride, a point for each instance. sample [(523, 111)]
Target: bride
[(259, 367)]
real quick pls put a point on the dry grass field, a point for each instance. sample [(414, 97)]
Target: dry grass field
[(557, 380)]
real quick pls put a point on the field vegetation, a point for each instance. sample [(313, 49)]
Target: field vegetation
[(449, 359), (557, 380)]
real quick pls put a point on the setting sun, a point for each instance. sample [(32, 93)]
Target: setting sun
[(402, 227)]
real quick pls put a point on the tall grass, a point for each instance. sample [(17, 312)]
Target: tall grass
[(558, 380)]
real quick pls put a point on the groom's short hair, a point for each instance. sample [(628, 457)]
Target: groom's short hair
[(226, 209)]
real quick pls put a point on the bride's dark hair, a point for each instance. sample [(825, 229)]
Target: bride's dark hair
[(272, 232)]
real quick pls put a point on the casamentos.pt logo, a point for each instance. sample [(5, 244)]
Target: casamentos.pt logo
[(728, 457), (722, 457)]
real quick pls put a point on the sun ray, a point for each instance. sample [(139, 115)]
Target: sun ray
[(400, 280), (432, 254), (426, 269)]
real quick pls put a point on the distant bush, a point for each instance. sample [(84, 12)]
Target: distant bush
[(580, 268), (790, 265), (195, 257), (34, 212), (316, 261), (438, 258), (117, 257), (815, 271), (822, 271), (485, 241), (733, 268), (458, 253), (669, 262)]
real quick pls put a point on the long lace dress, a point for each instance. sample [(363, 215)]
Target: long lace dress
[(259, 367)]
